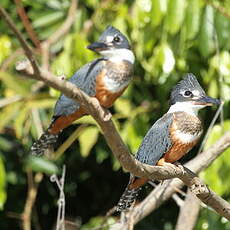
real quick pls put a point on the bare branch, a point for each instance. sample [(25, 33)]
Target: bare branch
[(65, 26), (163, 192), (23, 42), (58, 34), (31, 197), (103, 118), (188, 213), (26, 22), (7, 62)]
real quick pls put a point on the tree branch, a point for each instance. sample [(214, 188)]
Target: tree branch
[(188, 213), (163, 192), (26, 22), (31, 197), (103, 118), (23, 42), (58, 34)]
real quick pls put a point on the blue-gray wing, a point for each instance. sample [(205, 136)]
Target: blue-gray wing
[(156, 142), (85, 79)]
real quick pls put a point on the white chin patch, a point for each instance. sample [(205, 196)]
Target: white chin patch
[(118, 55), (187, 107)]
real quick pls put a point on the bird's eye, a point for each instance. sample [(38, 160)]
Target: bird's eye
[(188, 93), (117, 39)]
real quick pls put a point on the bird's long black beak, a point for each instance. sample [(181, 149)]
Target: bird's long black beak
[(98, 46), (207, 101)]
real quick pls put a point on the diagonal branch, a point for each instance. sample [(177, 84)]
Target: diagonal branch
[(121, 152), (26, 22), (188, 213), (164, 192), (23, 42)]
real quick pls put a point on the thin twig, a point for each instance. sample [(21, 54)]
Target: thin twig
[(7, 62), (31, 197), (188, 212), (37, 121), (220, 108), (121, 152), (28, 51), (26, 22), (6, 101), (178, 200), (69, 141), (64, 28)]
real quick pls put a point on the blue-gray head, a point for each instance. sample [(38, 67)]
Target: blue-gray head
[(110, 39), (189, 93)]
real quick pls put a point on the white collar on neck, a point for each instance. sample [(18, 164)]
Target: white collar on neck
[(186, 107), (118, 55)]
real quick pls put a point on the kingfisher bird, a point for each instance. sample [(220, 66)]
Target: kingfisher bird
[(173, 135), (105, 78)]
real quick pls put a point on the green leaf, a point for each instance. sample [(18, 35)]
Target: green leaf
[(87, 140), (3, 193), (48, 19), (97, 221), (42, 103), (192, 19), (215, 175), (159, 8), (5, 145), (222, 25), (175, 15), (5, 47), (16, 84), (206, 36), (8, 113), (123, 106), (39, 164), (19, 121)]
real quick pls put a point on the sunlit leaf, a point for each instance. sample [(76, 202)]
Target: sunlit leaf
[(175, 15), (97, 222), (206, 35), (48, 19), (39, 164), (222, 26), (8, 113), (5, 47), (215, 174), (123, 106), (192, 19), (15, 83), (159, 8), (87, 140), (19, 121)]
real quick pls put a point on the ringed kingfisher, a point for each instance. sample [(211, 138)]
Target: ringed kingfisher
[(105, 78), (173, 135)]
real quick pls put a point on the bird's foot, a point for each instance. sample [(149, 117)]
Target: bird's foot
[(180, 166)]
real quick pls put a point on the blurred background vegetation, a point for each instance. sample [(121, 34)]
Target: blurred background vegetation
[(169, 38)]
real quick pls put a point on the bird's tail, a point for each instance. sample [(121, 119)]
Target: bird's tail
[(127, 198), (45, 143)]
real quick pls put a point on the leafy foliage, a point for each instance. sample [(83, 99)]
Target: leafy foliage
[(169, 38)]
